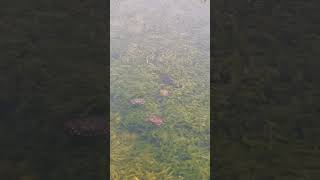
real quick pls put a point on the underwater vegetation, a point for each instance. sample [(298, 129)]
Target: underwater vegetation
[(163, 132)]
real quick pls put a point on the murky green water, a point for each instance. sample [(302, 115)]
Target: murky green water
[(160, 56)]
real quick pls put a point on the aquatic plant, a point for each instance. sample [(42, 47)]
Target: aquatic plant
[(179, 147)]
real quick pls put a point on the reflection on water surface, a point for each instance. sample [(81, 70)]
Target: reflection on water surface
[(160, 89)]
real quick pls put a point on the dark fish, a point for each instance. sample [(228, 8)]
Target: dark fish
[(115, 56), (166, 79)]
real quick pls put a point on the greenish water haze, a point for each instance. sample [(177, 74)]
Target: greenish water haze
[(149, 38)]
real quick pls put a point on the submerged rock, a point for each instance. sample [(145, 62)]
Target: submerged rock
[(156, 120)]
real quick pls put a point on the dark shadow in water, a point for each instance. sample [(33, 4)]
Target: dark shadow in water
[(54, 65)]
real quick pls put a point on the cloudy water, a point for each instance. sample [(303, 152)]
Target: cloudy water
[(160, 120)]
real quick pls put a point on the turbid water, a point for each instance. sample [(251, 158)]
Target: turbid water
[(160, 56)]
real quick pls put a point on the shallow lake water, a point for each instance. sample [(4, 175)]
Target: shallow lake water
[(160, 89)]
